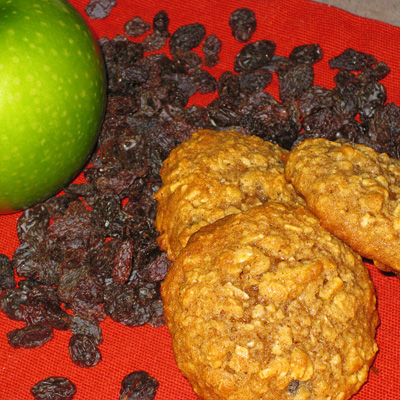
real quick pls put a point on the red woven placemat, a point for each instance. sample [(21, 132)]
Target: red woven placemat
[(289, 23)]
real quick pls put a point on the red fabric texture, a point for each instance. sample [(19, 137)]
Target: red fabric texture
[(289, 23)]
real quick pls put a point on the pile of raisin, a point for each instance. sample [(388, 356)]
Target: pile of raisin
[(91, 252)]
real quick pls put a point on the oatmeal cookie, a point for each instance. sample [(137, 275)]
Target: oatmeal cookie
[(212, 175), (268, 305), (355, 192)]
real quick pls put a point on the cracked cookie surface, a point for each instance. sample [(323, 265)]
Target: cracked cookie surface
[(268, 305), (215, 174), (355, 192)]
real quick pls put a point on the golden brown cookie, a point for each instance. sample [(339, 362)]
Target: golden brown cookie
[(268, 305), (214, 174), (355, 192)]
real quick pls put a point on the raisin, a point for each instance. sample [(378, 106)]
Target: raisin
[(347, 90), (7, 280), (196, 116), (315, 98), (374, 73), (161, 23), (122, 304), (42, 293), (74, 228), (56, 316), (296, 81), (243, 24), (156, 270), (83, 351), (84, 309), (326, 123), (293, 386), (153, 42), (31, 336), (254, 55), (33, 222), (123, 262), (188, 60), (90, 289), (106, 209), (43, 305), (254, 81), (371, 97), (54, 388), (221, 115), (146, 293), (99, 9), (157, 315), (383, 130), (136, 27), (87, 327), (306, 54), (56, 206), (138, 385), (275, 122), (204, 81), (69, 282), (229, 88), (118, 301), (211, 48), (278, 63), (139, 315), (187, 37), (352, 60), (10, 303)]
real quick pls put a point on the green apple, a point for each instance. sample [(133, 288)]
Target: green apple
[(52, 99)]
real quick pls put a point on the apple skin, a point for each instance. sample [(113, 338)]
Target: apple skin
[(52, 99)]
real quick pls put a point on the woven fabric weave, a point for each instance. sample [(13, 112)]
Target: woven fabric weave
[(289, 23)]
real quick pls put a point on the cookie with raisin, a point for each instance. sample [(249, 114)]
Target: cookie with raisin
[(214, 174), (267, 304), (355, 192)]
